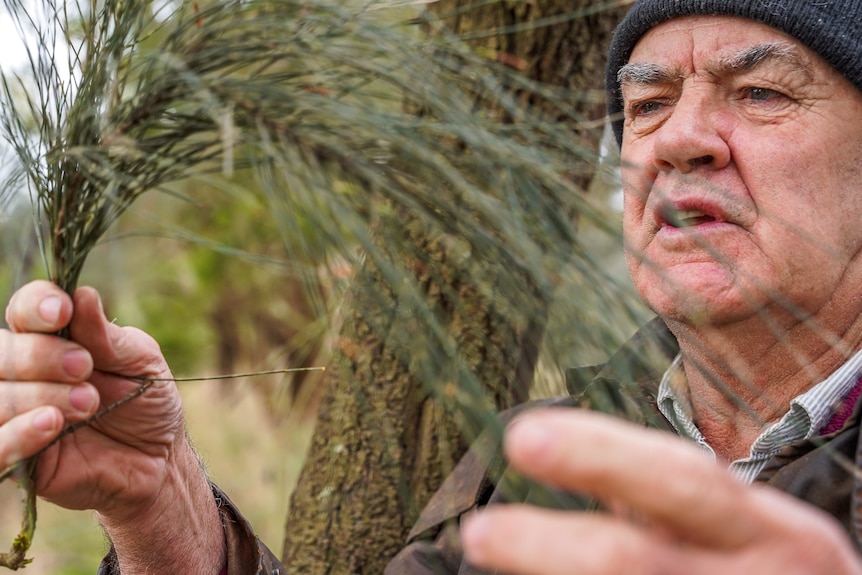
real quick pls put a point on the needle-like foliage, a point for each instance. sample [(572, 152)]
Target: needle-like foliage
[(343, 115)]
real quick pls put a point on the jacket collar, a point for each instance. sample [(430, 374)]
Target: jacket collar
[(627, 384)]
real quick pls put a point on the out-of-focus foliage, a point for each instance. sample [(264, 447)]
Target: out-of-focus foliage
[(288, 135), (308, 97)]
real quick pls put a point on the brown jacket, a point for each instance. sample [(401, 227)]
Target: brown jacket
[(815, 470)]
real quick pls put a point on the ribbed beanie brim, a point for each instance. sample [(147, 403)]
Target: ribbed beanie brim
[(832, 28)]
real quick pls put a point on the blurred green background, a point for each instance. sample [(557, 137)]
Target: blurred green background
[(207, 269), (183, 271)]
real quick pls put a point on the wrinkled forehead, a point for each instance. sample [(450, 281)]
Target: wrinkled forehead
[(709, 41), (715, 47), (830, 29)]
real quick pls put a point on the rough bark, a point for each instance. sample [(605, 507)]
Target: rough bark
[(387, 435), (382, 445)]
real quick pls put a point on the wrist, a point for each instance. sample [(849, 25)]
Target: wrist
[(180, 531)]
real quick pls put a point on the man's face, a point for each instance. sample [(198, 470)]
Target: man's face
[(741, 163)]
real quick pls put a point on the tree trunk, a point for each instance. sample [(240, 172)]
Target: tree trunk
[(387, 432)]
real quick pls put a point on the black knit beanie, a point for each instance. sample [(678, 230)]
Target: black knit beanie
[(832, 28)]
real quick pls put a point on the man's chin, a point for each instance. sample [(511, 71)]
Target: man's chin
[(696, 311)]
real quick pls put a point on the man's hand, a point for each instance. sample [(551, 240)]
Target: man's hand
[(684, 513), (134, 465)]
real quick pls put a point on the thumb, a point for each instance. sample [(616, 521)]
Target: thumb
[(121, 350)]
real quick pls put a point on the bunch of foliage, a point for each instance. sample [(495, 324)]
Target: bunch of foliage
[(340, 115)]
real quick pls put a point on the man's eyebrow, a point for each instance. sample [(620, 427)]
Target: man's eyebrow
[(750, 58), (743, 61), (646, 73)]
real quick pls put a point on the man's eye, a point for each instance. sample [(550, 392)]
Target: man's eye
[(761, 94), (645, 108)]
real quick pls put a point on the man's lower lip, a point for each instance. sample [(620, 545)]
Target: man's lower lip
[(690, 233), (698, 227)]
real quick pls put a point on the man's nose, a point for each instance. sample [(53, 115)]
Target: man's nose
[(694, 135)]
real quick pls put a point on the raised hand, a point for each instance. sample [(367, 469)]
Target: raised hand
[(678, 512)]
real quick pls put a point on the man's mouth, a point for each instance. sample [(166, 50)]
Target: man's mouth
[(684, 218)]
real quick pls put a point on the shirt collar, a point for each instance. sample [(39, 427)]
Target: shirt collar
[(809, 412)]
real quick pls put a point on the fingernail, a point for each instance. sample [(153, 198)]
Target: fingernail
[(514, 423), (530, 436), (77, 363), (82, 398), (45, 420), (49, 309), (474, 531)]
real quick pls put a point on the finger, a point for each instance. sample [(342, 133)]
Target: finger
[(668, 480), (40, 306), (41, 357), (75, 402), (115, 349), (526, 540), (26, 434)]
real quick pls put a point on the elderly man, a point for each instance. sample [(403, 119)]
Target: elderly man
[(741, 131), (740, 125)]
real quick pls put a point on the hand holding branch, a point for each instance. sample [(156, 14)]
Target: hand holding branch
[(134, 465)]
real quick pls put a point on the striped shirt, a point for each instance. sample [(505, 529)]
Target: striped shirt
[(808, 415)]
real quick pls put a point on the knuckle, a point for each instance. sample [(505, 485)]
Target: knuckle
[(33, 357), (143, 349), (15, 443), (15, 400), (630, 557), (20, 359), (8, 353), (8, 313), (14, 310), (27, 361)]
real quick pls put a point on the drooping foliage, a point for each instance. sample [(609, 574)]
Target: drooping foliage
[(376, 137)]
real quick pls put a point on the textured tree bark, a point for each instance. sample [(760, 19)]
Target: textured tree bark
[(386, 435), (381, 444)]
